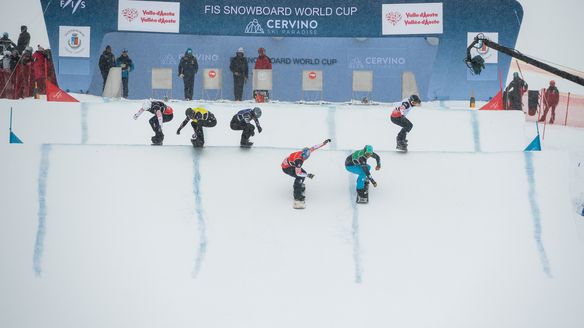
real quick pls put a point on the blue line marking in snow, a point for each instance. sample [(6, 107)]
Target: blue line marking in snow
[(535, 213), (84, 130), (42, 214), (332, 126), (201, 226), (355, 231), (476, 131)]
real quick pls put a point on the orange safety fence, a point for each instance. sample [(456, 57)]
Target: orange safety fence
[(20, 83), (569, 111)]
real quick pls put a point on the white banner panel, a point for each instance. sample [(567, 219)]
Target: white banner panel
[(148, 16), (311, 80), (412, 18), (74, 41), (162, 78), (488, 54), (212, 79), (362, 81), (262, 79)]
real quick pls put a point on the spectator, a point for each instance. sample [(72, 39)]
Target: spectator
[(6, 59), (26, 56), (40, 61), (23, 39), (238, 67), (127, 66), (6, 44), (14, 59), (187, 68), (262, 62), (515, 91), (551, 97), (107, 60)]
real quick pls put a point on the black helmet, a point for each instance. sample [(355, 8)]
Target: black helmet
[(257, 112), (190, 113), (415, 100)]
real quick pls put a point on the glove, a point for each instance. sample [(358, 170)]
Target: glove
[(377, 167), (136, 116), (327, 141), (310, 175), (178, 131), (181, 76), (373, 183), (259, 129)]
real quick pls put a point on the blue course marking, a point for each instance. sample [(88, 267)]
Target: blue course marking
[(332, 126), (84, 130), (201, 225), (535, 213), (355, 231), (476, 135), (42, 214)]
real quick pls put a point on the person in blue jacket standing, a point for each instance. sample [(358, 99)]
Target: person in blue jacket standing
[(125, 62)]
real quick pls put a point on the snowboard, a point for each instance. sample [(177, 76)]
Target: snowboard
[(299, 204), (362, 200)]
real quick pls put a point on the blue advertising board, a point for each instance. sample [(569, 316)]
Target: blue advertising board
[(334, 36)]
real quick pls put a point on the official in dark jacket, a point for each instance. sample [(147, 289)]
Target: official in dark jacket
[(238, 67), (107, 60), (187, 68)]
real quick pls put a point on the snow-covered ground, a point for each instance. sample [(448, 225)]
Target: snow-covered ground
[(100, 229)]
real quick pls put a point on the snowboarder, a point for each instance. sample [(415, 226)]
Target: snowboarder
[(398, 117), (162, 114), (199, 117), (241, 121), (357, 163), (292, 165)]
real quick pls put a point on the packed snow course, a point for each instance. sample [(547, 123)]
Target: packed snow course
[(100, 229)]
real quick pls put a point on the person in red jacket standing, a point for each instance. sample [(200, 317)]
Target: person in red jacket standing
[(551, 97), (39, 62), (262, 62)]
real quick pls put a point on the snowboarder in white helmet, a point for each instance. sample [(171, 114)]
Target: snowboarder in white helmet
[(162, 114), (242, 121), (398, 117)]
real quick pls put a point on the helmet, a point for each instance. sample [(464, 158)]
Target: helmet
[(552, 83), (415, 100), (5, 34), (515, 75), (368, 150), (190, 113), (257, 112), (305, 152), (146, 104)]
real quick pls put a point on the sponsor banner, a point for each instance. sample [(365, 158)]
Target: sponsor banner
[(74, 41), (282, 18), (148, 16), (488, 54), (412, 18)]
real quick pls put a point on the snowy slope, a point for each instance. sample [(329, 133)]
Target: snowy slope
[(100, 229)]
